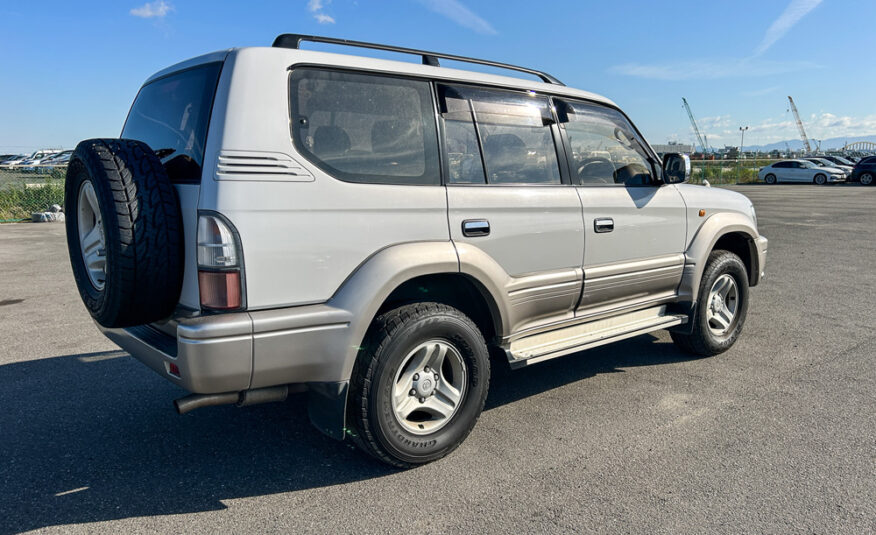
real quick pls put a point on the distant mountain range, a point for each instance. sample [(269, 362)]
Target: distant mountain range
[(797, 144)]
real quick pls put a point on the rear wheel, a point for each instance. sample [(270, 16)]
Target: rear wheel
[(770, 179), (721, 308), (820, 179), (419, 385), (866, 179)]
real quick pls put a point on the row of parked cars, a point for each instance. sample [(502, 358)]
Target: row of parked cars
[(40, 160), (821, 170)]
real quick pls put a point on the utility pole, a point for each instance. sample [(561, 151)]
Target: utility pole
[(741, 144)]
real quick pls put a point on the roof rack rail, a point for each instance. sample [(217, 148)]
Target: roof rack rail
[(293, 40)]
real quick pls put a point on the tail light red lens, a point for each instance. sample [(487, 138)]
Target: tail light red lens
[(220, 289), (219, 264)]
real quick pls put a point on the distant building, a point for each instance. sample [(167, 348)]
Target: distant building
[(662, 149)]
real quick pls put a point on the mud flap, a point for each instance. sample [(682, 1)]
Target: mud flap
[(327, 406)]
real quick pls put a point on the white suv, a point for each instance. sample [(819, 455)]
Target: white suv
[(278, 220)]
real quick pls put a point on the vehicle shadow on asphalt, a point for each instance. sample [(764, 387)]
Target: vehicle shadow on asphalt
[(94, 437)]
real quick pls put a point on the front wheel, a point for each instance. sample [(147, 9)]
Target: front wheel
[(770, 179), (419, 384), (721, 309), (820, 179)]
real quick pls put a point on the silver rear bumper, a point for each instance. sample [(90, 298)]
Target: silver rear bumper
[(243, 350)]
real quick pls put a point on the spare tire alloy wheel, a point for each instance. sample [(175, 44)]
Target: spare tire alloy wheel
[(92, 240), (124, 232), (866, 179)]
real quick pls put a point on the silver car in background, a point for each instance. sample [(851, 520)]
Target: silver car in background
[(800, 171)]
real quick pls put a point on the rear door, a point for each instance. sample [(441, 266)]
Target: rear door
[(634, 226), (510, 209)]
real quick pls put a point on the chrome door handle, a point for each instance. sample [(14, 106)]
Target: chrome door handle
[(603, 224), (475, 227)]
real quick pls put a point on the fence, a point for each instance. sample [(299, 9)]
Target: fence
[(25, 191), (727, 171)]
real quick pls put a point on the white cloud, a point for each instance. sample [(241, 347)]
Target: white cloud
[(149, 10), (316, 7), (458, 13), (710, 69), (715, 68), (322, 18), (792, 14), (818, 126)]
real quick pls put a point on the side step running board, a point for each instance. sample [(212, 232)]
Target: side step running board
[(544, 346)]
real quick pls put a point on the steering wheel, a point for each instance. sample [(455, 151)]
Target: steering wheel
[(597, 168)]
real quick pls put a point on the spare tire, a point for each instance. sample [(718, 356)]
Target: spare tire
[(124, 232)]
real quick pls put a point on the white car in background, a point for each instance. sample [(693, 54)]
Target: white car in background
[(800, 171), (824, 162)]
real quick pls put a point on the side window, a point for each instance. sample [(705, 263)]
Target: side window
[(605, 147), (364, 127), (500, 137), (782, 165)]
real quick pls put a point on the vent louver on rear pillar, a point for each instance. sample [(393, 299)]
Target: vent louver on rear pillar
[(253, 165)]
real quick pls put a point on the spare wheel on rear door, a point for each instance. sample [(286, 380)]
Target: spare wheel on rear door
[(124, 232)]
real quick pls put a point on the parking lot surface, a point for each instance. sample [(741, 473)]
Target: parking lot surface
[(777, 435)]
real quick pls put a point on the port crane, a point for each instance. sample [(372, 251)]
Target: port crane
[(700, 137), (805, 139)]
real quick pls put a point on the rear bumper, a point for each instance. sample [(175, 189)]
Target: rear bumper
[(245, 350), (761, 244)]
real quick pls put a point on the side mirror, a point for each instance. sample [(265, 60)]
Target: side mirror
[(676, 168)]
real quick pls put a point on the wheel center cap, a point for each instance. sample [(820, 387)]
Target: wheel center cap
[(717, 303), (425, 386)]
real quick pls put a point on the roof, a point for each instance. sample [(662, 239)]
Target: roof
[(291, 57)]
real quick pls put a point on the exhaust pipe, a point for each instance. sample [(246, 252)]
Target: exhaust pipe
[(241, 399)]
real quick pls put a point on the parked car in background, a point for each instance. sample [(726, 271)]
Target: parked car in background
[(864, 171), (823, 162), (839, 160), (5, 157), (32, 160), (54, 161), (799, 171)]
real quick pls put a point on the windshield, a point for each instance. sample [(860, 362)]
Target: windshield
[(843, 160), (808, 165)]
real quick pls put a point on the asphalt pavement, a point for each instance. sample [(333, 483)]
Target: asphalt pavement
[(778, 435)]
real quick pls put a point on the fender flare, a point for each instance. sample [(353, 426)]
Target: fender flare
[(702, 244)]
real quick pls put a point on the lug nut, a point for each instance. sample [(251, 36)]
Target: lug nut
[(416, 377), (422, 400), (413, 392), (426, 369), (436, 377)]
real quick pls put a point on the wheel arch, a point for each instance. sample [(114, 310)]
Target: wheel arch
[(732, 231)]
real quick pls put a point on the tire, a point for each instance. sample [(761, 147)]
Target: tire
[(398, 345), (136, 225), (770, 179), (866, 179), (703, 339), (820, 179)]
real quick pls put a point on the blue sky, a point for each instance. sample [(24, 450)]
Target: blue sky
[(71, 69)]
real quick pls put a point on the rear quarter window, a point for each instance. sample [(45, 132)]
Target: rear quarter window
[(171, 114), (364, 127)]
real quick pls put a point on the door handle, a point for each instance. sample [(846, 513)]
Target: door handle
[(603, 224), (475, 227)]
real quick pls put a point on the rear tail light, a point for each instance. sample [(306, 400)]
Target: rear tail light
[(219, 264)]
